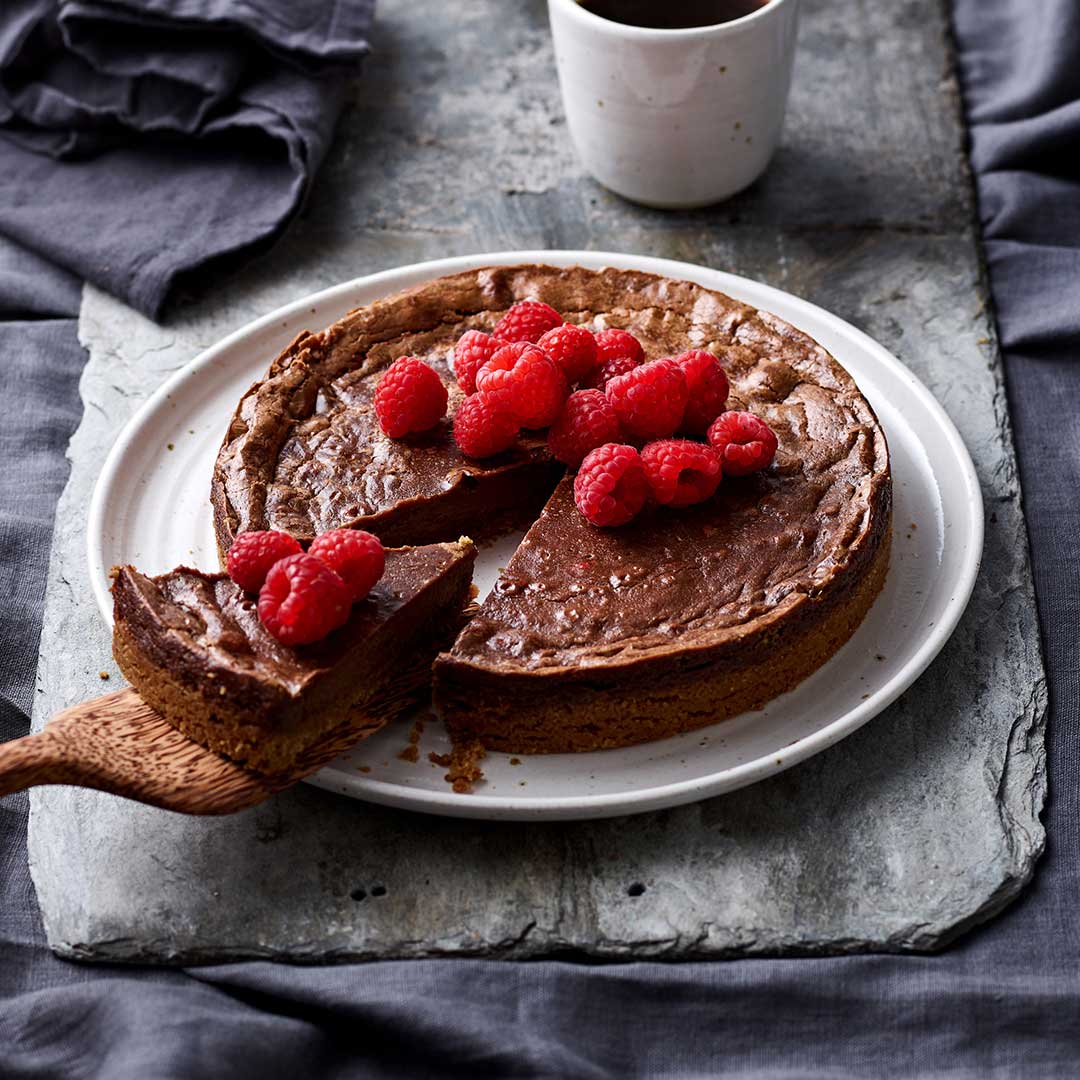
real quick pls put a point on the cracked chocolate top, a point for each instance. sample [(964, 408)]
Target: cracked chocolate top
[(206, 626)]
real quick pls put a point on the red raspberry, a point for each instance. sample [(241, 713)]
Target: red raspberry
[(587, 421), (526, 321), (573, 348), (302, 600), (484, 425), (744, 441), (608, 370), (649, 400), (681, 472), (708, 388), (528, 380), (614, 342), (473, 350), (610, 487), (409, 397), (355, 556), (253, 553)]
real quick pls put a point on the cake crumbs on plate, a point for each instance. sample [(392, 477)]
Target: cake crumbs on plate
[(462, 765), (411, 753), (104, 675)]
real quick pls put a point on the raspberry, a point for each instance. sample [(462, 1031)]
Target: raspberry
[(681, 472), (649, 400), (354, 555), (253, 553), (526, 321), (484, 425), (302, 600), (528, 380), (744, 441), (409, 397), (614, 342), (608, 370), (573, 348), (473, 350), (610, 487), (587, 421), (708, 388)]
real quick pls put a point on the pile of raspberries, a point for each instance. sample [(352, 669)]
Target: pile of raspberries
[(303, 596), (522, 375)]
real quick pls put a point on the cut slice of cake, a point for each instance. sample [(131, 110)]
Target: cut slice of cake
[(192, 645)]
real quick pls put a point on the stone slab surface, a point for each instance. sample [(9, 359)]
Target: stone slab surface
[(920, 825)]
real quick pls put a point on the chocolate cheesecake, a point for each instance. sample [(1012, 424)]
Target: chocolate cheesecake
[(591, 638), (193, 647)]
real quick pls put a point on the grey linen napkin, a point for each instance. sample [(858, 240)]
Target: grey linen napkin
[(142, 139)]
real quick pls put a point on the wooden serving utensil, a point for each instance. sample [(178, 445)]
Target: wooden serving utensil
[(118, 744)]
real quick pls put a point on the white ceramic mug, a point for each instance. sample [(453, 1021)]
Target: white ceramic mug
[(675, 118)]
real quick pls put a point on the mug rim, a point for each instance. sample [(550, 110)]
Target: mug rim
[(575, 10)]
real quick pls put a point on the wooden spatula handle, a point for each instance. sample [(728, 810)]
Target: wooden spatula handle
[(36, 759), (119, 744), (80, 746)]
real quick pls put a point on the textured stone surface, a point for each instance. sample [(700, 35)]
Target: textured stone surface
[(918, 826)]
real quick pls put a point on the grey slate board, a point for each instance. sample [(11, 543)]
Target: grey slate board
[(920, 825)]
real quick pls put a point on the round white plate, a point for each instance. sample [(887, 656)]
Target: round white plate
[(151, 508)]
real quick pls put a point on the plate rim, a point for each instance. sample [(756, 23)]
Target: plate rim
[(503, 807)]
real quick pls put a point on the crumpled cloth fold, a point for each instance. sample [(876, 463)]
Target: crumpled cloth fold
[(143, 139)]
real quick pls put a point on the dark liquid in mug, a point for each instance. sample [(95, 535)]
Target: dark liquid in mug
[(672, 14)]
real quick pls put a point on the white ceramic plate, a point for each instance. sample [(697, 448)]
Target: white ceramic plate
[(151, 508)]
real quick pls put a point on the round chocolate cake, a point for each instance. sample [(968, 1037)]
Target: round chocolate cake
[(592, 637)]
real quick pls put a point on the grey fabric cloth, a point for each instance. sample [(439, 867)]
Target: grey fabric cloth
[(1004, 1002), (141, 140)]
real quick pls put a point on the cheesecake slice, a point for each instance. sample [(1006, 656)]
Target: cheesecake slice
[(192, 645)]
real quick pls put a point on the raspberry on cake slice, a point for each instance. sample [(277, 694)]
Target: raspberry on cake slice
[(410, 397), (746, 444), (485, 425), (473, 350), (527, 320), (650, 400), (706, 388), (356, 556), (611, 487), (195, 648), (573, 348), (527, 380), (681, 472), (613, 342), (587, 421), (254, 553), (609, 369)]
